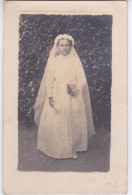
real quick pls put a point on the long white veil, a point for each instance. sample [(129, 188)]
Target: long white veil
[(42, 94)]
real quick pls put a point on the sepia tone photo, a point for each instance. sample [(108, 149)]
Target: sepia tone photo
[(65, 98), (64, 102)]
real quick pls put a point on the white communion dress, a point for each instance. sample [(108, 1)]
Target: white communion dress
[(65, 128)]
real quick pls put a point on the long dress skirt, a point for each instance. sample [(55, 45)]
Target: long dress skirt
[(63, 129)]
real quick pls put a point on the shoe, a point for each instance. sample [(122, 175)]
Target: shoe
[(74, 155)]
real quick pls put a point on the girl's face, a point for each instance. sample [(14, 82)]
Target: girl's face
[(64, 47)]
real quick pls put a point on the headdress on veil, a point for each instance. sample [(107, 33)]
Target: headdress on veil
[(41, 97)]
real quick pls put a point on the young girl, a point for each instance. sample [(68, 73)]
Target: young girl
[(63, 109)]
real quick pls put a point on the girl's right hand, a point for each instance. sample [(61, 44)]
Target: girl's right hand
[(51, 101)]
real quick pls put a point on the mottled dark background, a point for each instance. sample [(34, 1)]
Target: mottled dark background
[(92, 35)]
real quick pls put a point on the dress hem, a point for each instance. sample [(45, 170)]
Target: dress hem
[(49, 155)]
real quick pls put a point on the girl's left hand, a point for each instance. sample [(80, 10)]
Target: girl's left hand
[(75, 92)]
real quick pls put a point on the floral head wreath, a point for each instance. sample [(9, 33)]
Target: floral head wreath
[(64, 36)]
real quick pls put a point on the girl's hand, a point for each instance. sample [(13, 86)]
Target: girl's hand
[(51, 101), (75, 92)]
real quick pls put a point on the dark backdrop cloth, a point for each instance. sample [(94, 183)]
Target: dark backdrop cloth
[(92, 35)]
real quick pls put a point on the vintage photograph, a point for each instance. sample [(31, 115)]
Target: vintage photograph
[(64, 99)]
